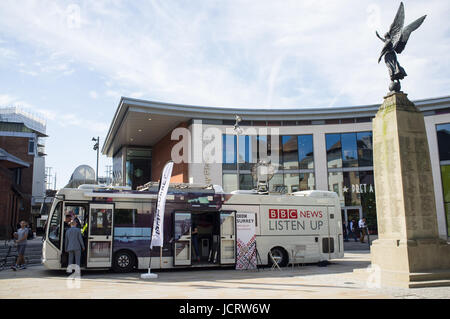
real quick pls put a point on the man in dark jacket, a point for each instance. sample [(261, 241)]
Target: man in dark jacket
[(352, 229), (74, 243)]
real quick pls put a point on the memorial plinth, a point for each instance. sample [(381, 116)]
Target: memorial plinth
[(408, 252)]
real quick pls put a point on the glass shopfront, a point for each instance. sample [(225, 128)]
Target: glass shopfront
[(350, 174), (443, 137), (294, 170), (138, 167)]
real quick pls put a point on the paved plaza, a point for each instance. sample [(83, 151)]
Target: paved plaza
[(337, 280)]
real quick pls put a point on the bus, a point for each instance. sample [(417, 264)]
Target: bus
[(117, 222)]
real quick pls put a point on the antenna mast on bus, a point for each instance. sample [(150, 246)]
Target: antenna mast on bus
[(263, 172)]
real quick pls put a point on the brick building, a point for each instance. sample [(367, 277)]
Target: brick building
[(21, 136), (12, 199)]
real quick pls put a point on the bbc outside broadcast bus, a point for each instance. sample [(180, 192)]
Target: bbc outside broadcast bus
[(119, 220)]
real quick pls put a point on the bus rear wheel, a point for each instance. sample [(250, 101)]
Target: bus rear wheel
[(280, 256), (124, 261)]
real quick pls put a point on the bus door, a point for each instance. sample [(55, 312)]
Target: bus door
[(329, 241), (182, 239), (335, 229), (100, 225), (227, 237)]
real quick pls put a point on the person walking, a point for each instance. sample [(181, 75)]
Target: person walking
[(21, 242), (363, 228), (74, 244), (194, 237), (352, 229), (344, 231)]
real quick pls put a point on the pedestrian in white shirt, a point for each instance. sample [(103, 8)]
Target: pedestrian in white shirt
[(363, 228)]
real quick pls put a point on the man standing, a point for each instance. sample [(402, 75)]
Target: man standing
[(194, 237), (362, 226), (21, 242), (352, 229), (344, 231), (74, 243)]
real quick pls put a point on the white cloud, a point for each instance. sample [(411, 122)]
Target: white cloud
[(72, 119), (7, 53), (112, 93), (93, 94), (7, 100)]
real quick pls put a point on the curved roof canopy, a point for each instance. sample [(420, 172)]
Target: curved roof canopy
[(142, 122)]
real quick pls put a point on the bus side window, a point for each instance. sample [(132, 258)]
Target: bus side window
[(54, 229)]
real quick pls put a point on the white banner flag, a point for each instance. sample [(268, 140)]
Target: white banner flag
[(158, 222)]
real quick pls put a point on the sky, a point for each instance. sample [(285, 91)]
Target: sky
[(69, 62)]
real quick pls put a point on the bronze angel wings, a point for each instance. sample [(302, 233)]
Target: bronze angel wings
[(398, 35)]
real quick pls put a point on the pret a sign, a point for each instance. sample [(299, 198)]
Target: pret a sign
[(359, 188)]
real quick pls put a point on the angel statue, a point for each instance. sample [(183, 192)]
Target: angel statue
[(395, 41)]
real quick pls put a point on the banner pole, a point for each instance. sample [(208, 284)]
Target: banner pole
[(158, 220), (149, 274)]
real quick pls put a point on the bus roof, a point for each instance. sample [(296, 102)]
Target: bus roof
[(310, 197)]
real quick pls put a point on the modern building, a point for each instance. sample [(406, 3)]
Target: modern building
[(21, 135), (326, 148)]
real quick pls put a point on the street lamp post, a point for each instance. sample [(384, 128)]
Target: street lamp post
[(96, 148), (237, 131)]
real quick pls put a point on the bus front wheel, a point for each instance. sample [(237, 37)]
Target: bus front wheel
[(280, 256), (123, 261)]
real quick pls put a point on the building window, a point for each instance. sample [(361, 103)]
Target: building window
[(305, 152), (307, 181), (17, 175), (246, 181), (334, 150), (443, 137), (349, 150), (445, 173), (229, 152), (291, 181), (118, 168), (138, 167), (276, 184), (31, 146), (246, 151), (289, 149), (294, 153), (365, 148), (262, 147), (229, 182)]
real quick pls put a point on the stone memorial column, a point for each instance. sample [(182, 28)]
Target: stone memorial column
[(408, 251)]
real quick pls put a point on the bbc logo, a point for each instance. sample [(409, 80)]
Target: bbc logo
[(283, 213)]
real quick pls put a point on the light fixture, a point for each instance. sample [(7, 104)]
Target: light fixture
[(149, 119), (140, 130)]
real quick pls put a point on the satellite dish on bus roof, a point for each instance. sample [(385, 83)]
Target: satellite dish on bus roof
[(83, 174)]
